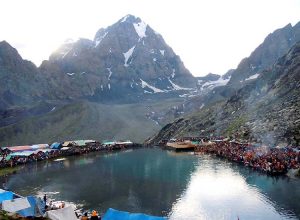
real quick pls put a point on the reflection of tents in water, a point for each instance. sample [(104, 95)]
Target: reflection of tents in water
[(112, 214)]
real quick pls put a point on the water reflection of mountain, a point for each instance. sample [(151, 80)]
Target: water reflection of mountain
[(158, 182)]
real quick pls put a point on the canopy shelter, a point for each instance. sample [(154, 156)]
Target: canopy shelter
[(22, 153), (82, 143), (61, 214), (56, 146), (124, 143), (28, 206), (108, 142), (112, 214), (67, 143), (5, 195), (19, 148), (39, 146)]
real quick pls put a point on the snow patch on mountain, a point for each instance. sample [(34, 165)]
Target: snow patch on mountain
[(162, 52), (177, 87), (216, 83), (155, 90), (252, 77), (125, 18), (70, 74), (140, 29), (65, 53), (99, 39), (173, 74), (127, 55), (110, 73)]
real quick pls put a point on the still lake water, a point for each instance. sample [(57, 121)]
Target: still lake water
[(157, 182)]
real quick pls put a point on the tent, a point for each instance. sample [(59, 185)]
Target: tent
[(112, 214), (124, 143), (22, 153), (67, 143), (56, 145), (28, 206), (108, 142), (5, 195), (15, 205), (66, 213), (36, 207), (82, 143), (19, 148)]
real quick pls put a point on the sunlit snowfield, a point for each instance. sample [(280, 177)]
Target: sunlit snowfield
[(157, 182)]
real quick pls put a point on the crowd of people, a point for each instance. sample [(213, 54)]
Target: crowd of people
[(9, 161), (272, 160), (94, 216)]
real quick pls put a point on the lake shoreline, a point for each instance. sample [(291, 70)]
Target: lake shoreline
[(11, 168)]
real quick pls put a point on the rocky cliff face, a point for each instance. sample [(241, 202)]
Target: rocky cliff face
[(265, 109), (274, 46), (126, 59), (20, 81), (211, 90)]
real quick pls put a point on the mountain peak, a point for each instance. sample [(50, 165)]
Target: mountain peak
[(126, 58), (130, 19), (8, 53)]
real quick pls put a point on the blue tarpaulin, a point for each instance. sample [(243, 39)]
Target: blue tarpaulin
[(6, 195), (56, 145), (34, 209), (112, 214)]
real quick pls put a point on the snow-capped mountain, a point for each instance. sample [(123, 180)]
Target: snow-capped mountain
[(124, 59), (211, 81)]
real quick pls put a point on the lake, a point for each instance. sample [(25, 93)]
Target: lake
[(164, 183)]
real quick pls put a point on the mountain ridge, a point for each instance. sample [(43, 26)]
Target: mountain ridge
[(128, 55), (266, 110)]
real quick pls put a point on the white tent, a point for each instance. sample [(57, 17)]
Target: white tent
[(66, 213)]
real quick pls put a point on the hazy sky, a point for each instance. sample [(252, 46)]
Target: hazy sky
[(209, 36)]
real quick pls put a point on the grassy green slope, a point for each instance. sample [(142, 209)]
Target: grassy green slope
[(86, 120)]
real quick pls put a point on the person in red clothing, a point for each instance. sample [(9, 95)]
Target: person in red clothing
[(95, 216)]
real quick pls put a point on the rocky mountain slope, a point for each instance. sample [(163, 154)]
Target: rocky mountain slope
[(212, 89), (87, 120), (20, 82), (125, 61), (265, 109), (274, 46)]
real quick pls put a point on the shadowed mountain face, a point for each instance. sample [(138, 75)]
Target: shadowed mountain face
[(266, 109), (127, 60), (20, 82), (274, 46)]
